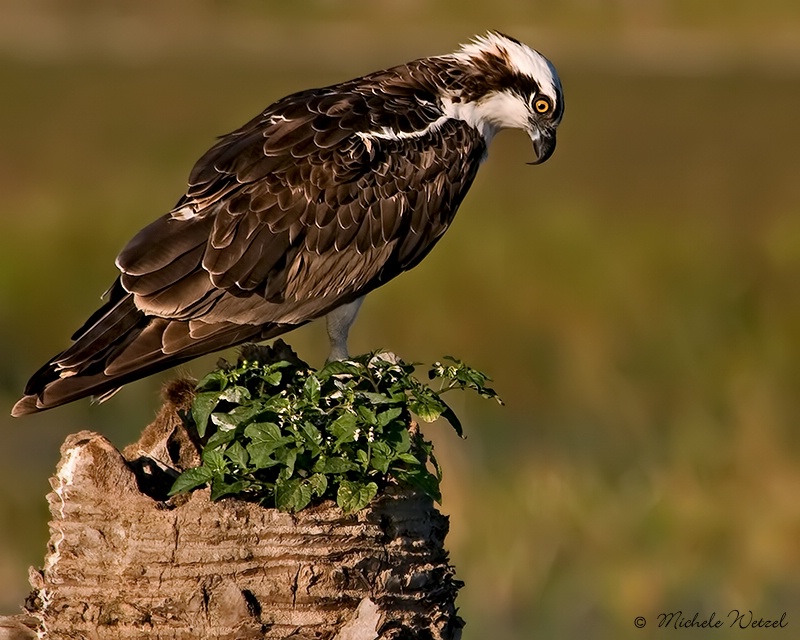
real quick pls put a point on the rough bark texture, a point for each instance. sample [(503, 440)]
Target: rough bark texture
[(123, 563), (20, 627)]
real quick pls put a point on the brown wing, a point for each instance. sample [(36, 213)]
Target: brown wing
[(308, 206)]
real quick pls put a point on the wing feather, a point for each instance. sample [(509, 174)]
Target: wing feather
[(180, 300), (402, 197), (161, 242), (118, 318), (170, 274)]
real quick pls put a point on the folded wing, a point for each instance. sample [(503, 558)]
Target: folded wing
[(320, 199)]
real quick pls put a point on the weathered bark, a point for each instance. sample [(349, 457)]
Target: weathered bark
[(124, 563), (20, 627)]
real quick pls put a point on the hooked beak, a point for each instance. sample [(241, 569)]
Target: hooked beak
[(544, 143)]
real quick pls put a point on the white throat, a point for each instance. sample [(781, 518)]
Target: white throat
[(491, 113)]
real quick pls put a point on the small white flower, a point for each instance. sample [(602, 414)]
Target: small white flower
[(356, 433)]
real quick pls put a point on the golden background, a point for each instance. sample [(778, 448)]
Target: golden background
[(636, 299)]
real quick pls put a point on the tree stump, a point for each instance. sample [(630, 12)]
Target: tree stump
[(124, 562)]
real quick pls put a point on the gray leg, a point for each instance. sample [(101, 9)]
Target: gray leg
[(339, 322)]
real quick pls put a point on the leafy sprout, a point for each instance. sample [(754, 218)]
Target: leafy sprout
[(284, 435)]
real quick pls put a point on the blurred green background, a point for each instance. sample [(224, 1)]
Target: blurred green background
[(635, 299)]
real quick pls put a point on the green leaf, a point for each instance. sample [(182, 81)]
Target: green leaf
[(311, 390), (215, 381), (244, 413), (491, 394), (319, 484), (237, 454), (277, 404), (344, 428), (261, 456), (462, 376), (427, 406), (472, 377), (409, 458), (353, 496), (220, 488), (306, 424), (265, 438), (450, 415), (400, 440), (292, 495), (266, 434), (224, 421), (191, 479), (385, 417), (236, 394), (311, 436), (275, 366), (382, 455), (374, 398), (338, 368), (366, 414), (219, 438), (214, 460), (287, 456), (272, 378), (202, 406), (421, 479), (435, 463), (332, 465)]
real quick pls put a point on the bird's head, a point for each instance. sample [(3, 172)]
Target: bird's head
[(501, 83)]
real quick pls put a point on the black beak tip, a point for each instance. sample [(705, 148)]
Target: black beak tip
[(543, 147)]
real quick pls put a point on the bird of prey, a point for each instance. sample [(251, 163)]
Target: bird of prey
[(321, 198)]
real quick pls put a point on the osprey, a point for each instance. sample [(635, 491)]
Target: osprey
[(324, 196)]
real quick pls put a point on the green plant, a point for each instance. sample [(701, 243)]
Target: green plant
[(283, 434)]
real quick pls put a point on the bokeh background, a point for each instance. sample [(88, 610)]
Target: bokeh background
[(636, 299)]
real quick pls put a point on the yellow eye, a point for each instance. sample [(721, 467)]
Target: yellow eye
[(541, 105)]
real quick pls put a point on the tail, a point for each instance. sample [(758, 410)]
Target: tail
[(120, 344)]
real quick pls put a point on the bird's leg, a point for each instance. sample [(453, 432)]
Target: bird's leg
[(339, 322)]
